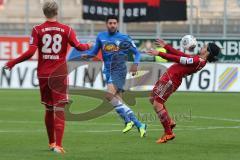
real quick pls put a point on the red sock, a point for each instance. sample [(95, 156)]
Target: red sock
[(169, 118), (49, 123), (163, 116), (59, 125)]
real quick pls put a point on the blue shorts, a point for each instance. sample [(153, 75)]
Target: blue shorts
[(116, 71), (117, 77)]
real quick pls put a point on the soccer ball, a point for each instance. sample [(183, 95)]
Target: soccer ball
[(188, 42)]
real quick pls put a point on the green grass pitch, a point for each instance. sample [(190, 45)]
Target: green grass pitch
[(208, 127)]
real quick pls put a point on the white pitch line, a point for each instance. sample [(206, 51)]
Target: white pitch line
[(216, 118), (118, 124), (107, 131), (177, 129), (82, 123)]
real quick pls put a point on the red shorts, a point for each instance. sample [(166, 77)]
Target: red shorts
[(53, 91), (163, 89)]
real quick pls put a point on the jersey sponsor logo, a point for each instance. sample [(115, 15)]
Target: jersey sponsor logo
[(183, 60), (125, 45), (190, 61), (110, 47), (117, 42), (117, 46)]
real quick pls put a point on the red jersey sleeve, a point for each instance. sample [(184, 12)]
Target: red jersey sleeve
[(25, 56), (34, 37), (75, 43), (174, 51), (33, 45), (180, 59)]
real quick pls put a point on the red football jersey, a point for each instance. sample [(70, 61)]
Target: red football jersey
[(52, 39), (185, 64)]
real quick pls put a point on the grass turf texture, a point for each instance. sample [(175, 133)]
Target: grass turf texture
[(207, 128)]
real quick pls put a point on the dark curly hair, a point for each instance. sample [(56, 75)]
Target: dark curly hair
[(111, 17), (214, 51)]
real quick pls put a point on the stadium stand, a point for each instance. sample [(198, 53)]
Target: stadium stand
[(205, 21)]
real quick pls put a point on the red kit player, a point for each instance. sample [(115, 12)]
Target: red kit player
[(170, 81), (51, 39)]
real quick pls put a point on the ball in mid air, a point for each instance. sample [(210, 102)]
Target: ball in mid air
[(188, 42)]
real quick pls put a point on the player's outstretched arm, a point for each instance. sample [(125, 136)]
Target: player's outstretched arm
[(137, 55), (93, 52), (175, 51), (175, 58), (76, 44), (137, 58), (25, 56), (169, 48)]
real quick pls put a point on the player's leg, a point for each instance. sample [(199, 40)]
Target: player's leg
[(161, 91), (141, 126), (116, 102), (59, 123), (118, 76), (49, 123), (128, 115), (163, 117), (115, 78), (59, 96), (119, 107), (46, 99), (172, 122)]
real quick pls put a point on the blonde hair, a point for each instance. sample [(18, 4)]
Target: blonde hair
[(50, 8)]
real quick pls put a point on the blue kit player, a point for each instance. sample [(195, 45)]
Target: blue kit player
[(115, 48)]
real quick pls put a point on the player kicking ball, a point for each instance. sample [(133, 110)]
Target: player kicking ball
[(170, 81), (51, 39)]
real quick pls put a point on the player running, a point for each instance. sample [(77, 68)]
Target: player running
[(170, 81), (51, 39), (115, 47)]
